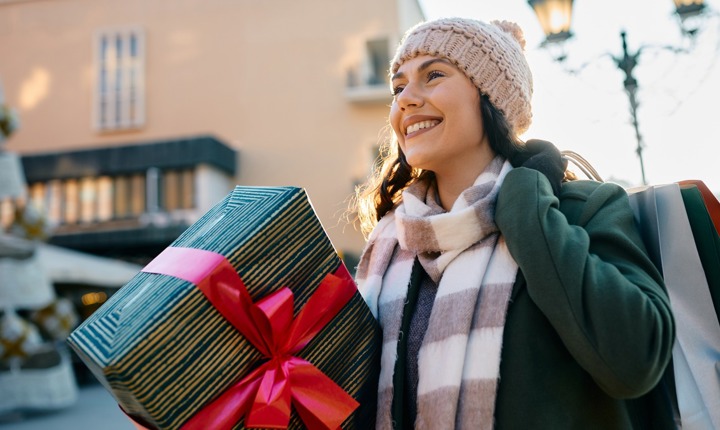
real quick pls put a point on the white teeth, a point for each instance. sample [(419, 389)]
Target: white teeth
[(420, 125)]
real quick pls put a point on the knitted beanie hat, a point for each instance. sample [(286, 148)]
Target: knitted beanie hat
[(491, 55)]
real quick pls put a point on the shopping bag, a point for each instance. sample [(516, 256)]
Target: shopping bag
[(664, 226), (706, 238), (711, 202)]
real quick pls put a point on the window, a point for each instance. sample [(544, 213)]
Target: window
[(178, 190), (72, 202), (379, 61), (367, 81), (120, 79), (105, 198), (108, 198), (54, 200), (128, 196), (37, 195), (171, 191), (121, 197), (88, 200), (137, 194), (187, 189)]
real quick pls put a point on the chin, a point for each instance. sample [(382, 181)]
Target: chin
[(416, 164), (415, 159)]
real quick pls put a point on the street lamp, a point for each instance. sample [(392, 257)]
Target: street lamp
[(688, 8), (555, 19)]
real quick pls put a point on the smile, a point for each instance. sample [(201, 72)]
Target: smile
[(420, 126)]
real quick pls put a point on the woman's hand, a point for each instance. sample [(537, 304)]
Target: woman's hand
[(544, 157)]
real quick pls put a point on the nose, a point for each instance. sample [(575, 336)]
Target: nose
[(410, 96)]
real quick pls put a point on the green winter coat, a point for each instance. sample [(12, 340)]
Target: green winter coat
[(589, 331)]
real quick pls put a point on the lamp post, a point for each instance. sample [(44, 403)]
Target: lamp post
[(627, 63), (555, 18)]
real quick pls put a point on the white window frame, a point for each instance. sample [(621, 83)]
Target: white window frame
[(117, 105)]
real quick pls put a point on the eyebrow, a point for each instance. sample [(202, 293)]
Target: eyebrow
[(422, 67)]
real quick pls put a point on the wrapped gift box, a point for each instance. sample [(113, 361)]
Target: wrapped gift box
[(166, 352)]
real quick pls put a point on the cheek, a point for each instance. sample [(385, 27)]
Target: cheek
[(395, 121), (475, 123), (471, 118)]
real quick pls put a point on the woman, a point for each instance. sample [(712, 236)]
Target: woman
[(508, 298)]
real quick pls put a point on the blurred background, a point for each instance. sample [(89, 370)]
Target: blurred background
[(581, 103), (122, 122)]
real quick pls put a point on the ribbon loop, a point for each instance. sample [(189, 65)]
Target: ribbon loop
[(320, 402), (329, 297), (273, 316), (271, 407)]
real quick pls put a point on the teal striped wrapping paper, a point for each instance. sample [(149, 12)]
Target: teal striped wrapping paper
[(163, 350)]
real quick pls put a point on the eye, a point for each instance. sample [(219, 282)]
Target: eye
[(434, 74), (397, 90)]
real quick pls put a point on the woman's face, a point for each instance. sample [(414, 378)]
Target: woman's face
[(436, 116)]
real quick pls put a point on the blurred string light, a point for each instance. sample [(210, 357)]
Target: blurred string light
[(93, 298)]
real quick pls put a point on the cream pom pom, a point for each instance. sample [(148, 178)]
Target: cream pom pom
[(512, 29)]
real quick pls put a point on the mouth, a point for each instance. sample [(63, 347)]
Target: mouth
[(422, 125)]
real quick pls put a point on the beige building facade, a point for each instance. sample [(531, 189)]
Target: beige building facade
[(219, 92)]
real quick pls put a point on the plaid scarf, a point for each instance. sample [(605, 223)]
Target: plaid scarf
[(463, 252)]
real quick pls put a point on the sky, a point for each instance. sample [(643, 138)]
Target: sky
[(581, 105)]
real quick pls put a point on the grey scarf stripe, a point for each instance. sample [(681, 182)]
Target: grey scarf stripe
[(461, 349)]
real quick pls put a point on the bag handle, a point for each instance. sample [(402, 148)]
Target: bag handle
[(584, 165)]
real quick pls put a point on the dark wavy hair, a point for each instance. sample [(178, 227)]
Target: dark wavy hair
[(392, 174)]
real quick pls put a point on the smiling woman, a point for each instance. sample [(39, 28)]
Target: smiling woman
[(436, 118), (508, 296)]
